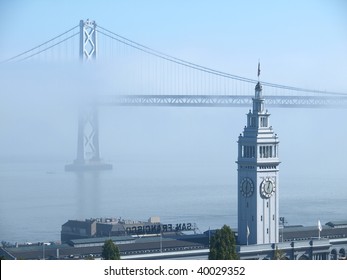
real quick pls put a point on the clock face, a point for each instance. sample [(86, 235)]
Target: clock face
[(247, 187), (267, 187)]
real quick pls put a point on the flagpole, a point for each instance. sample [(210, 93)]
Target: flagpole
[(247, 233), (161, 241), (209, 237)]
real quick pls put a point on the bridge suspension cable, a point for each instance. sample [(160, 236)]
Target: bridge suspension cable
[(151, 51), (19, 57), (59, 39)]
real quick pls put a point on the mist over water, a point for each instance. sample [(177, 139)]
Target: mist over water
[(176, 163), (38, 196)]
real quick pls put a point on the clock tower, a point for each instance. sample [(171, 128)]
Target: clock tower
[(258, 183)]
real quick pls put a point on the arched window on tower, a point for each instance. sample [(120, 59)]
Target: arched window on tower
[(261, 151), (253, 124), (263, 122), (266, 151), (248, 151)]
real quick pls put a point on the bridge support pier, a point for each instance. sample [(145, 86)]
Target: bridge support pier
[(88, 155)]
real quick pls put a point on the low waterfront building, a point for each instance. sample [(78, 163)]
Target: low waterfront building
[(129, 247), (108, 227), (299, 243)]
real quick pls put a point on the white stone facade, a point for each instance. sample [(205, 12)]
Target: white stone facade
[(258, 182)]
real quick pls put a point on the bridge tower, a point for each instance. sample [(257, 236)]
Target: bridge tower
[(88, 155), (258, 182), (88, 40)]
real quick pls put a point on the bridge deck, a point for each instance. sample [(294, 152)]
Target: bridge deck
[(222, 101)]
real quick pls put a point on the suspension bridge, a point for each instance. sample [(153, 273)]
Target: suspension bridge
[(143, 76)]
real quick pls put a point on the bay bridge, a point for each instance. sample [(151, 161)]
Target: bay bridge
[(143, 76)]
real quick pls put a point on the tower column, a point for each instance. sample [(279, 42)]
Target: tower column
[(88, 40), (88, 154)]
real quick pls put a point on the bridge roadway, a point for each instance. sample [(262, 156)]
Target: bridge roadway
[(333, 101)]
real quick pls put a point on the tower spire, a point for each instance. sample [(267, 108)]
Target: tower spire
[(258, 87)]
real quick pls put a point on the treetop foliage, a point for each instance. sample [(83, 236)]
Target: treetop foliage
[(223, 245), (110, 251)]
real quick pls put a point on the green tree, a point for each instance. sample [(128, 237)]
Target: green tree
[(223, 245), (110, 251)]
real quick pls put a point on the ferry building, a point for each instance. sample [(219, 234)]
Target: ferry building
[(258, 234)]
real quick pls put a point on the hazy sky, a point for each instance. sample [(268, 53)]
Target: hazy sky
[(300, 43)]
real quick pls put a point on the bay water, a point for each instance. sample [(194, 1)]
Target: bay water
[(38, 196)]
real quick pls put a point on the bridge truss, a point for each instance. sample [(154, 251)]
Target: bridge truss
[(222, 101)]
